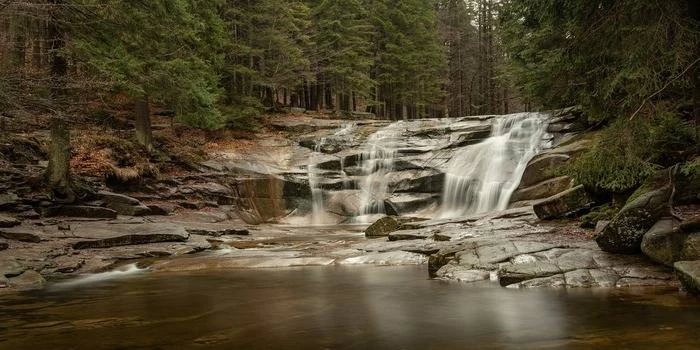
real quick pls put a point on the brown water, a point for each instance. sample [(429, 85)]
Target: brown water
[(362, 307)]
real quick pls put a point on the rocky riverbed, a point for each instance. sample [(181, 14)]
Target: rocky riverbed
[(251, 204)]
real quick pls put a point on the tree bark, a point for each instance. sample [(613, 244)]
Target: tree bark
[(143, 123), (58, 172)]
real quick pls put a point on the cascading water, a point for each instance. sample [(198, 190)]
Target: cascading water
[(482, 177), (377, 163), (318, 211)]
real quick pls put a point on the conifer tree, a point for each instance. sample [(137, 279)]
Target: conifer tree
[(158, 51)]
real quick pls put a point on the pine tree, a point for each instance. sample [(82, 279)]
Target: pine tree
[(341, 39), (166, 52)]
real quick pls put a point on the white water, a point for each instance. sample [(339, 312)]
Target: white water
[(482, 177), (121, 272), (377, 163), (318, 212)]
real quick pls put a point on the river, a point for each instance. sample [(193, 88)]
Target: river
[(339, 307)]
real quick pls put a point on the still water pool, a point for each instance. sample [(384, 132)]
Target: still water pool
[(363, 307)]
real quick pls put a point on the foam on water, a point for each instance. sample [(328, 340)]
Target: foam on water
[(119, 273)]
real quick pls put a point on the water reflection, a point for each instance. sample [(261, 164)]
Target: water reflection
[(340, 308)]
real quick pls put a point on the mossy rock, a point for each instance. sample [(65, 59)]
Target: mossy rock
[(644, 208), (383, 227)]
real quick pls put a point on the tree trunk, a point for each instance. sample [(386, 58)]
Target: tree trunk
[(143, 123), (58, 172)]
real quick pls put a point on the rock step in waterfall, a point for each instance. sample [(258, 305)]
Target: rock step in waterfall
[(441, 168)]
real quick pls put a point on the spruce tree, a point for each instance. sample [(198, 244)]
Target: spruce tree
[(160, 51)]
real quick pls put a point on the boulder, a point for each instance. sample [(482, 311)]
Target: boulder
[(8, 221), (383, 227), (81, 211), (19, 234), (569, 203), (542, 168), (4, 246), (625, 232), (688, 273), (543, 189), (124, 205), (662, 243), (102, 235)]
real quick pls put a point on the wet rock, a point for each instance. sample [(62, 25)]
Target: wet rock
[(162, 209), (81, 211), (625, 232), (554, 281), (688, 273), (568, 203), (97, 235), (542, 168), (662, 243), (27, 280), (217, 232), (418, 181), (11, 268), (521, 272), (20, 234), (386, 258), (462, 273), (383, 227), (404, 203), (8, 221), (123, 205), (409, 235), (443, 257), (543, 189)]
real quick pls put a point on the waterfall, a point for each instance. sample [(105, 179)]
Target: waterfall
[(482, 177), (377, 163), (318, 212)]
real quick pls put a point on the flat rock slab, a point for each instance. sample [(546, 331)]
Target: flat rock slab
[(688, 273), (218, 232), (8, 221), (81, 211), (20, 234), (104, 235)]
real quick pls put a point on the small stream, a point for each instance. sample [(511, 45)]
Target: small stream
[(359, 307)]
